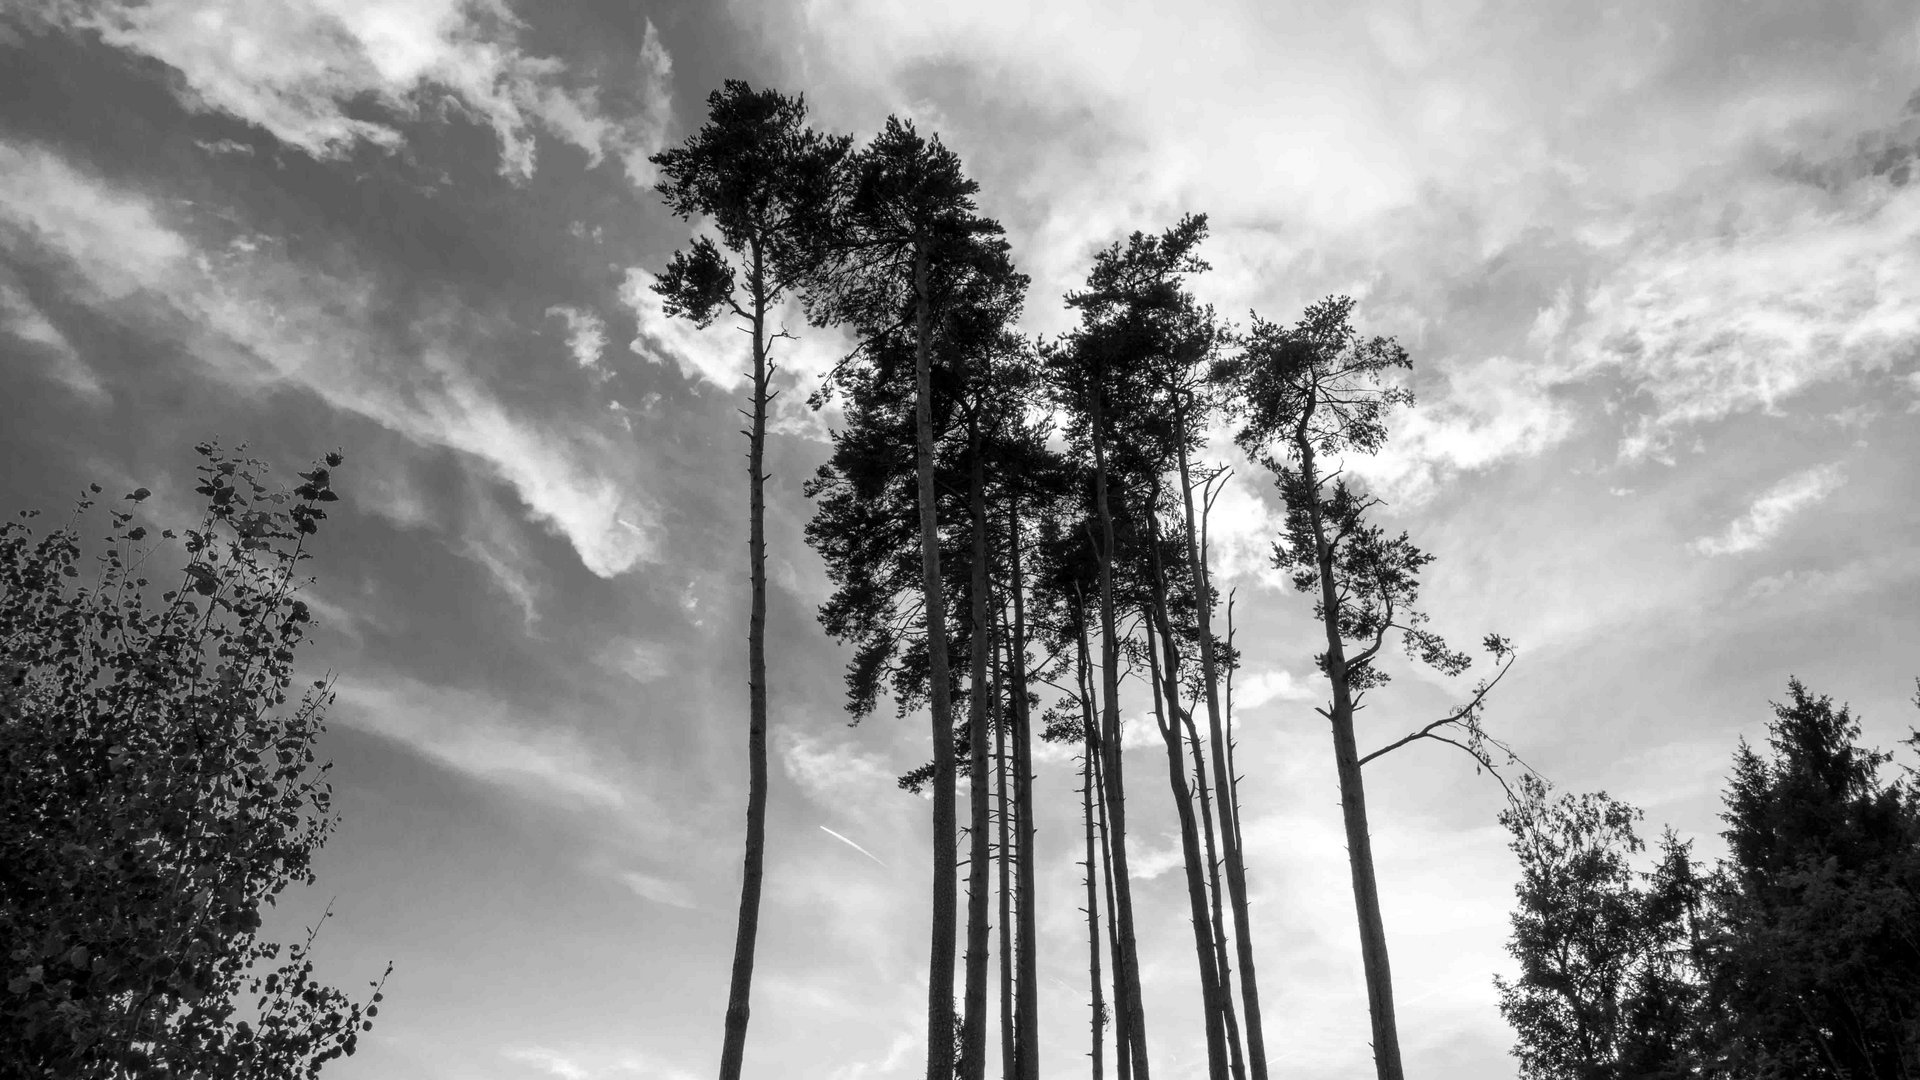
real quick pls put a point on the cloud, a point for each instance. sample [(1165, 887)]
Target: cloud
[(295, 67), (579, 1063), (717, 355), (1771, 511), (586, 334), (659, 890), (1242, 525), (1491, 411), (485, 739), (1146, 860), (23, 320), (1408, 152), (1799, 289), (1254, 690), (257, 319), (833, 772), (649, 126)]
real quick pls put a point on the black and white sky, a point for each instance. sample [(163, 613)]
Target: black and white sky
[(1658, 265)]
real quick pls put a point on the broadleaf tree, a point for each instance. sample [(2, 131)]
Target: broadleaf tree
[(159, 790)]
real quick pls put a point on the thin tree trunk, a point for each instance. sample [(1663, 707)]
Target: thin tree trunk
[(1126, 961), (1353, 795), (747, 930), (1236, 1059), (1122, 1023), (1166, 710), (1223, 782), (1088, 754), (940, 720), (980, 858), (1028, 879), (1008, 1060)]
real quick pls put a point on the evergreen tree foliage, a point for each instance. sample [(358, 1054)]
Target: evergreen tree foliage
[(1814, 962), (764, 178), (1794, 957)]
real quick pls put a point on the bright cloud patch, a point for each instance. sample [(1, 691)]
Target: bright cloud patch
[(1771, 511), (1494, 410), (291, 67), (717, 354), (586, 334), (1255, 690)]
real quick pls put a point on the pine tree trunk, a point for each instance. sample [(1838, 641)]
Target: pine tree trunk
[(1166, 709), (747, 930), (1028, 879), (945, 843), (1353, 795), (1231, 851), (1088, 754), (1126, 960), (1008, 1060), (1236, 1057), (980, 855), (1122, 1024)]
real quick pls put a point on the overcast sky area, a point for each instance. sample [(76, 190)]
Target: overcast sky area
[(1657, 264)]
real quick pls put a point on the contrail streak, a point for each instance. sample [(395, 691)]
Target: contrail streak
[(851, 844)]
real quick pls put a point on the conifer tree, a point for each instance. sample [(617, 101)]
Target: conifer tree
[(1309, 393), (904, 242), (763, 178), (1814, 963)]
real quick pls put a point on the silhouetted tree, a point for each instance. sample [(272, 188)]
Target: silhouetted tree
[(1814, 963), (904, 239), (1604, 991), (1116, 379), (763, 178), (1312, 391), (158, 789)]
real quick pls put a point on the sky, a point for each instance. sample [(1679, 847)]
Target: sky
[(1657, 264)]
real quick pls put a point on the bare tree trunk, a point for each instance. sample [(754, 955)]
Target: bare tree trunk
[(945, 843), (1126, 960), (1236, 1059), (747, 930), (973, 1063), (1008, 1055), (1028, 878), (1089, 752), (1167, 701), (1353, 795), (1223, 782), (1122, 1022)]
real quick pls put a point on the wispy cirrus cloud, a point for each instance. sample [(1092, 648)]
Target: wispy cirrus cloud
[(22, 319), (482, 737), (1771, 511), (297, 69), (258, 319), (1797, 286), (659, 890), (1696, 265)]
